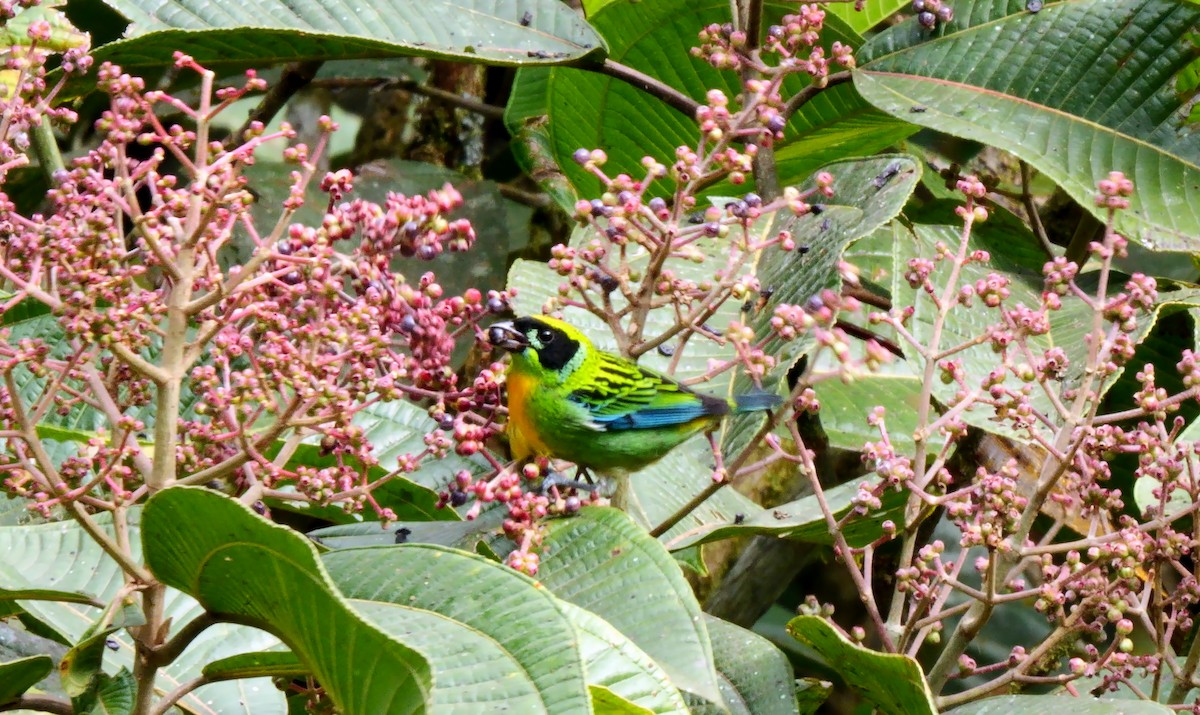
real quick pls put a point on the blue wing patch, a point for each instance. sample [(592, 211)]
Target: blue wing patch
[(647, 418)]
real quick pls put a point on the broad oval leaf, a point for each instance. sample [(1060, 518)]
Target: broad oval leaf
[(756, 677), (258, 31), (479, 594), (891, 682), (17, 676), (604, 562), (1078, 89), (64, 589), (803, 520), (244, 568)]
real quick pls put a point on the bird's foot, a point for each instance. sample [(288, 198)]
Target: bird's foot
[(556, 480)]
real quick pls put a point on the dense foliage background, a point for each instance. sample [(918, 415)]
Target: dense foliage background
[(254, 455)]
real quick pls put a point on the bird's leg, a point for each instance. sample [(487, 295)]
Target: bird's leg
[(556, 479), (719, 474)]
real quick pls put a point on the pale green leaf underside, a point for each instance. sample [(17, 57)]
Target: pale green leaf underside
[(1077, 90), (263, 31)]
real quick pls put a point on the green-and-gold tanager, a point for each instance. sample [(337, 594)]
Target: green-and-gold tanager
[(569, 400)]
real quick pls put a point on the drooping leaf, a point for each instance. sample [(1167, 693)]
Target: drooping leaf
[(89, 576), (602, 561), (239, 566), (756, 677), (273, 664), (112, 695), (215, 34), (17, 676), (891, 682), (482, 596), (802, 520), (623, 670), (1113, 101)]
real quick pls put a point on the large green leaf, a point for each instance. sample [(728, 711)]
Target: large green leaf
[(243, 568), (491, 600), (604, 562), (590, 110), (1078, 89), (615, 663), (58, 571), (264, 31), (17, 676), (891, 682), (756, 677)]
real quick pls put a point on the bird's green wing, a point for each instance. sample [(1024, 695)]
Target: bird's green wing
[(619, 395)]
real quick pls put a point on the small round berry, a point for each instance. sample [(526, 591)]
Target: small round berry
[(582, 156), (927, 20)]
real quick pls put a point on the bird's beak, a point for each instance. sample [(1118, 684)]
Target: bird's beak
[(505, 336)]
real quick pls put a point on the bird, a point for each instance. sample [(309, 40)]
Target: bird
[(569, 400)]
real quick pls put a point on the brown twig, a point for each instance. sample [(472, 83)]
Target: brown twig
[(490, 111), (646, 83), (296, 76), (805, 95)]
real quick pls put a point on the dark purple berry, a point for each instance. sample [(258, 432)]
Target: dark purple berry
[(408, 324), (581, 156), (712, 228), (598, 207), (776, 123), (753, 200), (446, 421), (918, 6), (427, 252), (927, 20), (658, 204), (496, 305), (458, 498), (945, 13), (572, 505), (284, 247)]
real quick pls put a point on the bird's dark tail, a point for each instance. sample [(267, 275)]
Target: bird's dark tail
[(754, 401)]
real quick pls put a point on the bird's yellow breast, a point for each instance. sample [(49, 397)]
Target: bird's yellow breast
[(522, 432)]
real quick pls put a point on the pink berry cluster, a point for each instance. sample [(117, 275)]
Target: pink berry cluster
[(1093, 586), (162, 282)]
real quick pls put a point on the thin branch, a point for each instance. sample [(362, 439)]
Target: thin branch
[(537, 200), (646, 83), (40, 703), (1031, 211), (484, 109), (805, 95), (168, 701), (296, 76), (169, 651)]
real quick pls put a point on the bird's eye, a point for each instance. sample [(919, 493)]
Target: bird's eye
[(545, 336)]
